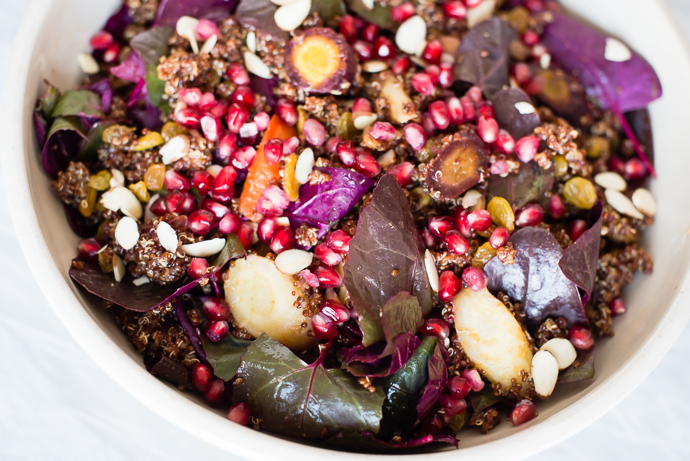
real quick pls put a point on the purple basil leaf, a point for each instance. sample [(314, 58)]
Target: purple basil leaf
[(39, 128), (79, 103), (264, 86), (580, 259), (152, 44), (133, 69), (484, 55), (641, 125), (562, 93), (145, 297), (118, 22), (381, 359), (297, 399), (138, 94), (258, 15), (170, 11), (386, 240), (148, 116), (105, 90), (509, 117), (81, 226), (619, 86), (536, 280), (435, 385), (368, 440), (530, 184), (584, 370), (63, 143), (181, 305), (323, 205), (163, 367)]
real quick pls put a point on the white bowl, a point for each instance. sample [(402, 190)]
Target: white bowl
[(55, 31)]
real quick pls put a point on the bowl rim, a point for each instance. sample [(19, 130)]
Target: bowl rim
[(207, 425)]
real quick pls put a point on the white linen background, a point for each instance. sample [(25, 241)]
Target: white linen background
[(57, 404)]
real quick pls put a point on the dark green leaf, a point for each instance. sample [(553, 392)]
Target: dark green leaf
[(401, 314), (293, 398), (152, 44), (94, 141), (386, 242), (530, 184), (380, 15), (224, 356), (155, 87), (483, 399), (46, 103), (328, 9), (79, 103), (581, 369), (436, 384)]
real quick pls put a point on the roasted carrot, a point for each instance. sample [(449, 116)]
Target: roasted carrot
[(261, 173)]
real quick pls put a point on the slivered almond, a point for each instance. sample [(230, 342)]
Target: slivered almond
[(644, 201), (563, 350), (411, 35), (88, 64), (256, 66), (289, 17), (186, 27), (122, 199), (292, 262), (364, 119), (127, 233), (304, 166), (167, 237), (622, 204), (209, 44), (544, 373), (611, 180), (119, 269), (205, 248), (431, 271), (175, 149)]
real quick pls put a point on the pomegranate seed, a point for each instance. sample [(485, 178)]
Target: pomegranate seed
[(452, 405), (479, 220), (429, 238), (335, 310), (445, 78), (486, 109), (522, 73), (526, 148), (261, 120), (245, 232), (634, 170), (539, 50), (529, 215), (440, 225), (454, 10), (475, 94), (190, 96), (487, 129), (240, 414), (364, 50), (370, 32), (499, 167), (229, 223), (455, 242), (160, 207), (403, 173), (324, 326), (462, 223), (618, 306), (205, 29), (581, 337), (433, 51), (434, 73), (276, 195), (101, 40), (468, 109), (210, 125), (402, 12), (428, 124), (314, 132), (202, 181), (112, 53), (400, 65), (188, 203), (290, 145), (208, 101), (175, 181), (243, 157), (439, 114), (499, 237), (216, 330), (201, 376), (523, 411), (249, 133), (475, 278), (422, 83), (266, 207), (415, 136), (367, 165), (244, 96), (556, 207), (216, 308), (200, 222), (617, 164), (346, 152), (474, 379), (576, 229), (328, 277), (273, 150), (311, 279), (332, 144), (361, 105), (383, 131), (238, 74), (435, 327), (215, 394), (89, 248), (266, 229), (530, 38), (222, 188), (237, 116), (433, 424), (327, 256), (227, 146), (188, 118), (448, 286), (459, 387), (338, 241), (350, 27), (384, 48), (505, 142), (283, 239), (197, 268), (533, 6)]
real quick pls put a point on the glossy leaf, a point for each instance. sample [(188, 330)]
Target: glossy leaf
[(78, 103), (584, 369), (258, 15), (483, 399), (618, 86), (63, 143), (294, 398), (163, 367), (530, 184), (536, 280), (169, 11), (509, 117), (94, 140), (386, 240), (379, 15), (323, 205), (436, 384), (152, 44), (328, 9), (484, 57), (382, 358)]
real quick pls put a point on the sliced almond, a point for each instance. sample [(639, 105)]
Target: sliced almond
[(616, 51), (251, 41), (563, 350), (248, 130), (256, 66), (292, 262), (644, 201), (524, 108), (88, 64), (143, 280), (480, 13), (209, 44), (364, 119), (283, 221), (375, 66), (387, 159), (304, 166), (127, 233), (611, 180), (431, 271), (119, 269), (122, 199), (205, 248), (186, 27), (622, 204), (471, 198), (545, 61), (117, 178), (411, 35), (175, 149), (368, 4), (148, 215), (544, 373), (290, 17), (167, 237), (214, 170)]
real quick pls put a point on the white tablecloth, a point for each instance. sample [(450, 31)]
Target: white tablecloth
[(57, 404)]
